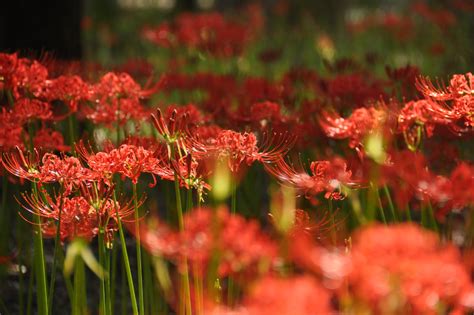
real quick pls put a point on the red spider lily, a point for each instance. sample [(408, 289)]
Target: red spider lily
[(441, 18), (241, 245), (8, 63), (21, 165), (116, 98), (80, 216), (209, 32), (421, 114), (397, 263), (287, 296), (362, 122), (172, 130), (48, 139), (10, 132), (238, 148), (454, 102), (403, 80), (66, 170), (407, 171), (127, 160), (353, 89), (327, 176), (189, 172), (26, 109), (28, 78), (69, 89)]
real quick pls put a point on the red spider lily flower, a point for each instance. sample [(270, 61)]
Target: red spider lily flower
[(441, 18), (116, 98), (21, 165), (240, 243), (453, 193), (453, 102), (172, 130), (408, 172), (26, 109), (422, 114), (393, 268), (353, 89), (403, 80), (460, 85), (28, 78), (10, 132), (188, 113), (362, 122), (8, 63), (238, 148), (127, 160), (69, 89), (66, 170), (208, 32), (327, 176), (288, 296), (190, 173), (49, 140), (79, 216)]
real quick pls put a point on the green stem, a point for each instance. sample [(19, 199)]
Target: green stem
[(126, 263), (185, 276), (139, 252), (382, 212), (431, 217), (57, 244), (103, 297), (42, 291), (78, 307), (112, 279), (390, 203)]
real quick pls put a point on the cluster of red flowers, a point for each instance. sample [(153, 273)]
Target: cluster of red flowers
[(205, 32), (394, 130)]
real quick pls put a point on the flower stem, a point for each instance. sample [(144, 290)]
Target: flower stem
[(57, 248), (139, 252), (126, 262), (42, 291), (390, 203), (185, 276)]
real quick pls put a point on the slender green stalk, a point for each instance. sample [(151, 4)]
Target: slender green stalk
[(78, 308), (41, 287), (390, 203), (382, 212), (112, 279), (57, 248), (107, 280), (185, 276), (103, 297), (139, 252), (126, 263), (431, 218), (20, 264)]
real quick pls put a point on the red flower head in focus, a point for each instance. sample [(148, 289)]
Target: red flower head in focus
[(326, 176)]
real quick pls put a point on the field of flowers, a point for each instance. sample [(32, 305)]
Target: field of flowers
[(243, 163)]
